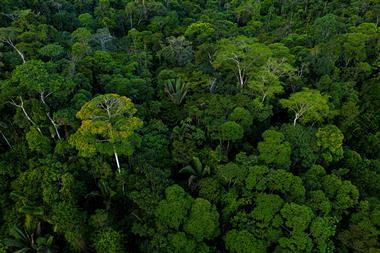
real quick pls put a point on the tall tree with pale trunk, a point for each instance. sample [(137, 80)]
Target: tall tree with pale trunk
[(108, 127)]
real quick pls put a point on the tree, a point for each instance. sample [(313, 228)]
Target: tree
[(241, 116), (231, 173), (243, 242), (354, 48), (81, 35), (87, 20), (329, 142), (230, 131), (363, 231), (274, 149), (307, 105), (108, 127), (343, 193), (38, 142), (29, 240), (102, 37), (240, 55), (34, 80), (26, 114), (325, 27), (297, 217), (177, 52), (172, 211), (200, 31), (69, 220), (266, 82), (196, 171), (179, 242), (176, 89), (203, 221), (80, 48), (7, 36), (261, 178), (322, 229), (301, 140), (246, 11), (267, 208), (108, 241), (52, 51)]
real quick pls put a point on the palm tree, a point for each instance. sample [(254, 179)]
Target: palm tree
[(29, 239), (176, 90), (196, 171)]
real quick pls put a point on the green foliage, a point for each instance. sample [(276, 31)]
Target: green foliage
[(307, 105), (261, 126), (200, 31), (29, 240), (52, 51), (297, 217), (260, 178), (362, 235), (244, 242), (37, 142), (322, 230), (301, 140), (172, 211), (81, 35), (330, 141), (68, 220), (177, 52), (324, 28), (232, 173), (203, 222), (241, 116), (176, 90), (240, 55), (108, 127), (108, 240), (230, 131), (267, 208), (195, 171), (274, 150), (266, 83), (181, 243)]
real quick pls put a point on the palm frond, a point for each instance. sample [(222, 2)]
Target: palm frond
[(187, 170)]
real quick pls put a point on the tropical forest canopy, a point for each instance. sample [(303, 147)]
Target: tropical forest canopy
[(243, 126)]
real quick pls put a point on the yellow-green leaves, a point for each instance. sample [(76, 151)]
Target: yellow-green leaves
[(307, 105), (106, 106), (108, 127)]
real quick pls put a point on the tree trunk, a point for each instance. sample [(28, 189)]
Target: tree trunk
[(241, 78), (295, 119), (263, 99), (21, 106), (117, 160), (55, 125), (18, 51), (6, 140)]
